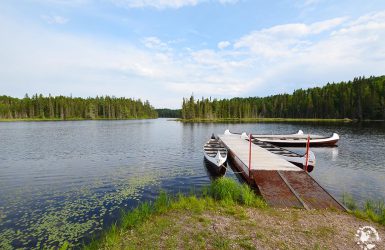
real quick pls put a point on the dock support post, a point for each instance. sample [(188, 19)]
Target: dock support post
[(307, 152), (249, 154)]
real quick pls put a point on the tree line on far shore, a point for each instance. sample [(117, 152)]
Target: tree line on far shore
[(62, 108), (169, 113), (362, 98)]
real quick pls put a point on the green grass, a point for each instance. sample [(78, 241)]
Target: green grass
[(229, 191), (247, 120), (223, 191), (371, 210), (203, 221)]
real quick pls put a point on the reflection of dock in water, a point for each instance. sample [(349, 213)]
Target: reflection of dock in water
[(281, 183)]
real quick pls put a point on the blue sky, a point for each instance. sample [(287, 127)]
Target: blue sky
[(163, 50)]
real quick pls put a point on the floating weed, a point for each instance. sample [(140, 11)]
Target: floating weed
[(2, 215), (65, 246), (6, 239), (69, 216)]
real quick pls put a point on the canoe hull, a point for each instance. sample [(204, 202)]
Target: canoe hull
[(213, 169), (324, 142), (290, 156), (298, 139), (214, 161), (215, 155)]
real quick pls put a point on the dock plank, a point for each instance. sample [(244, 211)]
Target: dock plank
[(274, 190), (261, 159), (310, 191)]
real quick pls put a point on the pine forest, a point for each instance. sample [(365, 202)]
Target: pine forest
[(361, 99), (63, 108)]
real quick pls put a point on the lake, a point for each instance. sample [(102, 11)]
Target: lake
[(67, 180)]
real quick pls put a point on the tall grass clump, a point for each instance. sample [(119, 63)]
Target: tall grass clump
[(137, 216), (230, 191), (372, 210), (375, 210), (349, 201), (223, 190)]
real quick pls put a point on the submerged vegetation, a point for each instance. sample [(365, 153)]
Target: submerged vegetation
[(361, 99), (371, 210), (78, 213), (39, 107)]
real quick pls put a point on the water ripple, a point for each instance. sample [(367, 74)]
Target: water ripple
[(68, 180)]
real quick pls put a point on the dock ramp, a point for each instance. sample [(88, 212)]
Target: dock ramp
[(281, 183)]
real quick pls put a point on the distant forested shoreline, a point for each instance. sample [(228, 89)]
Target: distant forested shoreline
[(39, 107), (361, 99), (169, 113)]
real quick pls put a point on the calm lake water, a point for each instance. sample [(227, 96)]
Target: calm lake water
[(67, 180)]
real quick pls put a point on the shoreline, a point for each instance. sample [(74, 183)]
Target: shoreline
[(256, 120), (228, 215), (70, 119), (221, 120)]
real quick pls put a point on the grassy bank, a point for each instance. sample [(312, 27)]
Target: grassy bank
[(252, 120), (371, 210), (226, 216)]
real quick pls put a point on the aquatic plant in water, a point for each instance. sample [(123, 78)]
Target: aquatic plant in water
[(73, 215), (373, 210)]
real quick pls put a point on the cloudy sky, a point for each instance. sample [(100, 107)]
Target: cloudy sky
[(163, 50)]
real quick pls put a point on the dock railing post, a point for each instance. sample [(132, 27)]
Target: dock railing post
[(307, 151), (249, 153)]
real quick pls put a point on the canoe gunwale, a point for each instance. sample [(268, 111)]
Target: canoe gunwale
[(215, 153)]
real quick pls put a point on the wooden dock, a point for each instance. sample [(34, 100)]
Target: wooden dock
[(281, 183)]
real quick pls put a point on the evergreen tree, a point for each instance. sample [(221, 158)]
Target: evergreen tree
[(362, 98), (61, 107)]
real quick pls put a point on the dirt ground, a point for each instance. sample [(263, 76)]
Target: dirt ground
[(238, 227)]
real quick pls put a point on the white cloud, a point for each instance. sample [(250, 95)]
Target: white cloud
[(346, 50), (163, 4), (228, 1), (64, 2), (60, 63), (284, 40), (159, 4), (54, 19), (223, 44), (306, 3), (155, 43), (266, 61)]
